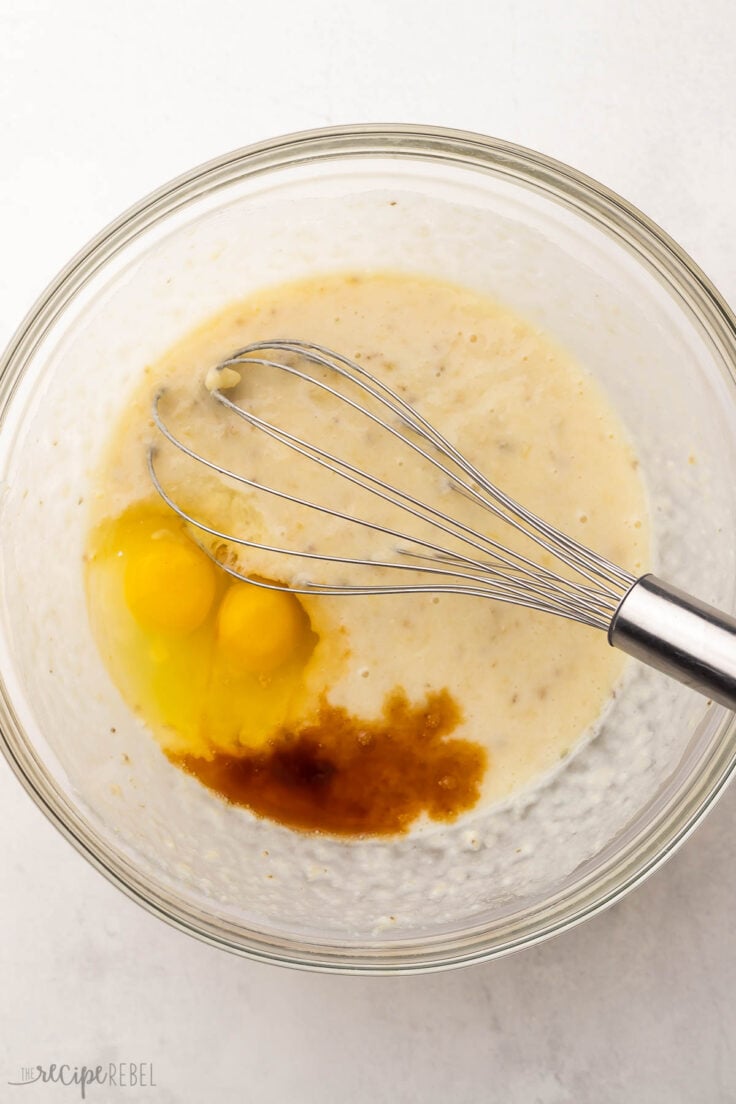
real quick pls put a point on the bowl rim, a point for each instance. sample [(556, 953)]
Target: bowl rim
[(587, 198)]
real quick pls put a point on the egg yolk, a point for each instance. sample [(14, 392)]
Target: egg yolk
[(214, 665), (259, 629), (169, 585)]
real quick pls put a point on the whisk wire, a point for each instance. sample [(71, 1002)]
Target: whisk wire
[(394, 496), (502, 584), (585, 561), (494, 570), (499, 594)]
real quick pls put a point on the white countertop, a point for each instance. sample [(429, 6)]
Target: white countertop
[(96, 109)]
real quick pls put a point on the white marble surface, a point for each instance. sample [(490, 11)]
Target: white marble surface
[(100, 103)]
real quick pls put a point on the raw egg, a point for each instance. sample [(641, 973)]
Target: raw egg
[(215, 664)]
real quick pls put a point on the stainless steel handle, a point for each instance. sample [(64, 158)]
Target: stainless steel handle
[(680, 635)]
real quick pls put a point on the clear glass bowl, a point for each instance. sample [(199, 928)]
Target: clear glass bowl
[(564, 252)]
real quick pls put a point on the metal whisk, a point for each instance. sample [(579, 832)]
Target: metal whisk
[(645, 617)]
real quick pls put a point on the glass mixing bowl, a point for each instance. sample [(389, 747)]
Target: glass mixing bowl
[(561, 250)]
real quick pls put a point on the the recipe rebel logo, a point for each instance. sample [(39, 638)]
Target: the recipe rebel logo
[(115, 1075)]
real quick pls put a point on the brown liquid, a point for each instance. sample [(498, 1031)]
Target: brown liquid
[(351, 777)]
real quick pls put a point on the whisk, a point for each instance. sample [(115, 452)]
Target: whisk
[(645, 617)]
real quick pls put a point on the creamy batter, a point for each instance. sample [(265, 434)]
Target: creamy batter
[(526, 686)]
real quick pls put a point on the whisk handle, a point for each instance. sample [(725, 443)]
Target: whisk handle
[(679, 635)]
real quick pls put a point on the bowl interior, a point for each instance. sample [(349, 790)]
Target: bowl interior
[(495, 878)]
